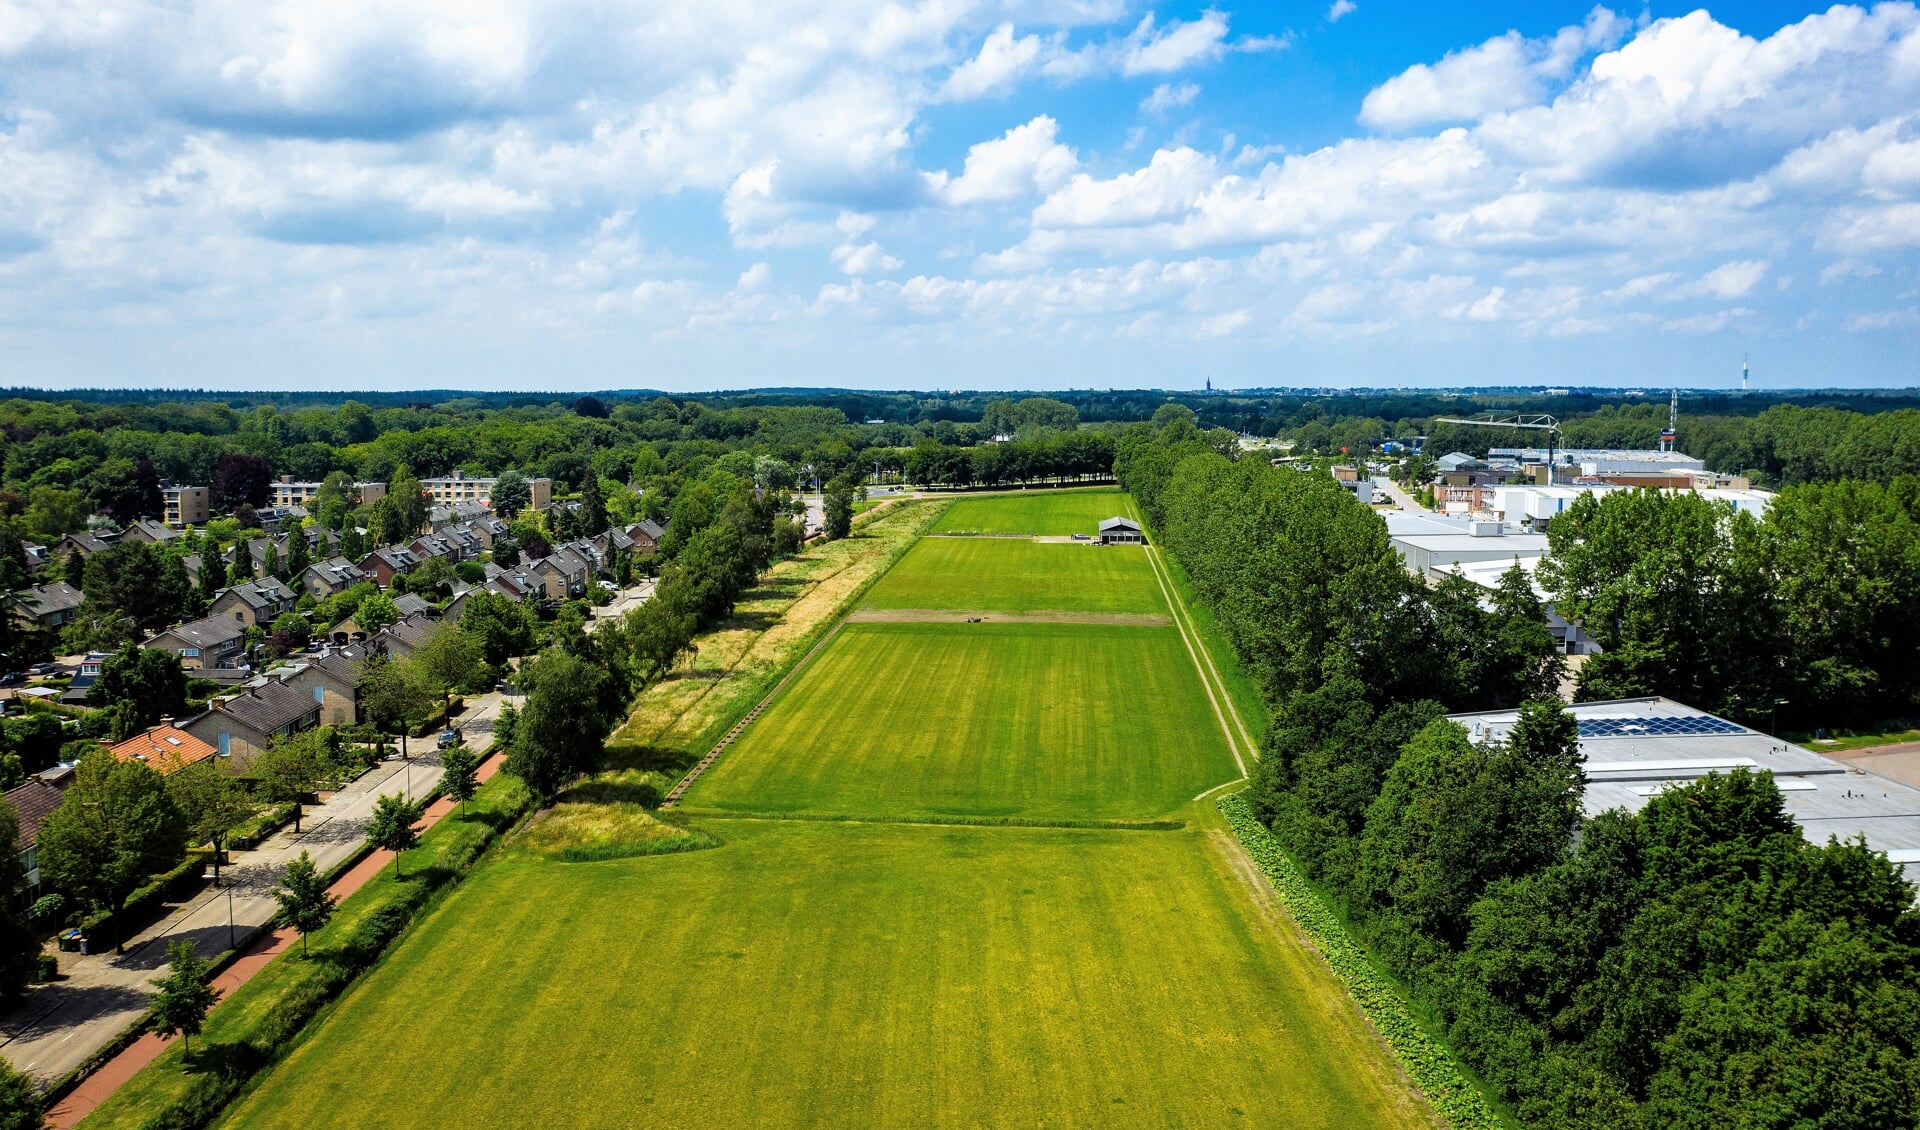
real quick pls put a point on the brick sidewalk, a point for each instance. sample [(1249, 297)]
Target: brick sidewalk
[(255, 957)]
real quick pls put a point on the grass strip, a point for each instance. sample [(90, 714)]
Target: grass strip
[(937, 818), (1427, 1061), (250, 1029)]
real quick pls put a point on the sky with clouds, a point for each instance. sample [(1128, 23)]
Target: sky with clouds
[(956, 193)]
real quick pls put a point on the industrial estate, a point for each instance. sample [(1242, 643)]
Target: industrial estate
[(1264, 757)]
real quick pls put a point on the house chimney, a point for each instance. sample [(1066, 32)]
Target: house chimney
[(166, 719)]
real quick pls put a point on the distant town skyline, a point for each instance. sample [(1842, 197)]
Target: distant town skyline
[(1006, 194)]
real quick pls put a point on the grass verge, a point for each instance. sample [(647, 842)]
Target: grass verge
[(1427, 1062), (249, 1030)]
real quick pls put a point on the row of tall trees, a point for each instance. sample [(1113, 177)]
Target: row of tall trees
[(1059, 455), (1698, 964), (1806, 616)]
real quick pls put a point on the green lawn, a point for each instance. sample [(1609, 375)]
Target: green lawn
[(1058, 512), (1040, 721), (847, 975), (997, 575), (891, 966)]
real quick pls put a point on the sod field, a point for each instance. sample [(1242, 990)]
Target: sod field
[(959, 876), (1002, 575), (846, 975), (1061, 721), (1036, 512)]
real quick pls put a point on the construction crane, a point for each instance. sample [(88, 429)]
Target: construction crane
[(1537, 421)]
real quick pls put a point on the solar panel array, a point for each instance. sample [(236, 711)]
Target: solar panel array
[(1661, 726)]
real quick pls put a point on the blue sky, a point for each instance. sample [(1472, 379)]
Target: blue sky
[(956, 193)]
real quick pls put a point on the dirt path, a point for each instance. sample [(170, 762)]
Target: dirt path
[(1037, 616), (255, 956), (1203, 666)]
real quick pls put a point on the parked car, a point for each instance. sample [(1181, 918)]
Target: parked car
[(10, 678), (451, 738), (42, 670)]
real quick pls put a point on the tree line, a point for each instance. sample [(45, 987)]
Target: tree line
[(1697, 964)]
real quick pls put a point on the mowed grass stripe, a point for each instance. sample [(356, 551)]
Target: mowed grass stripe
[(1019, 576), (1055, 513), (1045, 721), (807, 975)]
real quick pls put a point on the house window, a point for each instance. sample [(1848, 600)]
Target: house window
[(189, 653)]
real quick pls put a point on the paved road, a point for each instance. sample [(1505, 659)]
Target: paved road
[(627, 601), (60, 1025), (1400, 497)]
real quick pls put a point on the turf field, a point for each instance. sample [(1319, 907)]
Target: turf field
[(846, 975), (892, 966), (1057, 512), (1000, 575), (1057, 721)]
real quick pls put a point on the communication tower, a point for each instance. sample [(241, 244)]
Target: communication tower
[(1673, 422)]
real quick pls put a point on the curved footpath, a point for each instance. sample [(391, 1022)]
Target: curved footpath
[(254, 957)]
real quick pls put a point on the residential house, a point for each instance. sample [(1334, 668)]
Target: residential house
[(274, 519), (387, 562), (330, 679), (563, 574), (85, 544), (412, 604), (404, 637), (206, 645), (334, 575), (83, 679), (32, 803), (256, 603), (430, 546), (166, 749), (150, 531), (242, 725), (48, 606), (646, 536), (441, 517)]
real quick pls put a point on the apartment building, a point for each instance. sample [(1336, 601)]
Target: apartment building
[(185, 505)]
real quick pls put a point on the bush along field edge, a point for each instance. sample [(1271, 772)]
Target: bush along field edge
[(1426, 1061)]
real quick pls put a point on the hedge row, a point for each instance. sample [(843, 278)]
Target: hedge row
[(259, 1022), (147, 901), (1427, 1062)]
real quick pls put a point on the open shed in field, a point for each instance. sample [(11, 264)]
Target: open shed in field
[(1121, 531)]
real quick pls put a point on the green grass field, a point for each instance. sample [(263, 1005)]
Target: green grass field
[(993, 574), (1057, 512), (1044, 721), (852, 952), (829, 975)]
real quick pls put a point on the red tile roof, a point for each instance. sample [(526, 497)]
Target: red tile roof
[(163, 749)]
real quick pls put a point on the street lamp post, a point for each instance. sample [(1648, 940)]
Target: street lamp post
[(230, 936)]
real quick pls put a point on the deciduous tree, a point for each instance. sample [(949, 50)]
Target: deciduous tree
[(115, 827), (304, 901), (185, 996)]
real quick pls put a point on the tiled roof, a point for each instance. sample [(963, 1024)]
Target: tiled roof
[(263, 593), (412, 631), (33, 802), (267, 708), (40, 600), (409, 604), (212, 631), (163, 749)]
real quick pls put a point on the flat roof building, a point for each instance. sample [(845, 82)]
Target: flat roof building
[(1635, 748), (185, 505)]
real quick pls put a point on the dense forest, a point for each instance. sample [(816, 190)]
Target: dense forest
[(1697, 964)]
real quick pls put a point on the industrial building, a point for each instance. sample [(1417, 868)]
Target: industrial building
[(1432, 544), (1633, 749)]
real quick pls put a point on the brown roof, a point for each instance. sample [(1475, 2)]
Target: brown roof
[(267, 708), (33, 802), (163, 749)]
